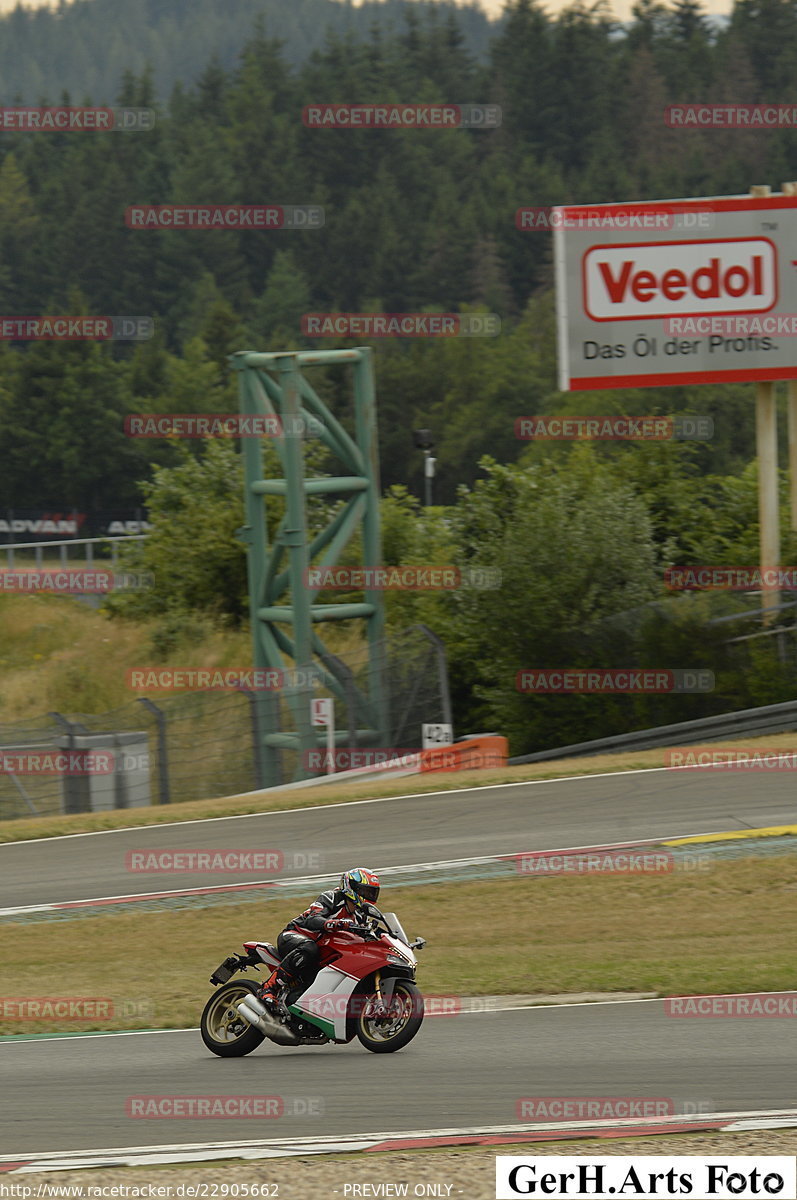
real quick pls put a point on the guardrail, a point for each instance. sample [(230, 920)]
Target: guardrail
[(771, 718), (10, 548)]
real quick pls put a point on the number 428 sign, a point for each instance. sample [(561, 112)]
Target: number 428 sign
[(436, 735)]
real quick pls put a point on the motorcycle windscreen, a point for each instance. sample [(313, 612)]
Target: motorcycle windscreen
[(395, 927)]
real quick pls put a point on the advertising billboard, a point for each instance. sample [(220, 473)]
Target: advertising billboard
[(677, 291)]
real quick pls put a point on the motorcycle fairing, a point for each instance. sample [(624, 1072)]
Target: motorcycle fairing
[(325, 1003)]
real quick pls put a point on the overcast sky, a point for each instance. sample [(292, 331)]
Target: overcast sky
[(621, 8)]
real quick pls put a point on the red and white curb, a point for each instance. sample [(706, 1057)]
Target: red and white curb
[(492, 1135)]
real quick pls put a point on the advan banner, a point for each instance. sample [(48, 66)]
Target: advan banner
[(676, 291)]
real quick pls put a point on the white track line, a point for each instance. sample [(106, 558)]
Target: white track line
[(45, 1039), (483, 1012), (17, 1040), (281, 812)]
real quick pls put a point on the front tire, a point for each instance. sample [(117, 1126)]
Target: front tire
[(384, 1035), (223, 1029)]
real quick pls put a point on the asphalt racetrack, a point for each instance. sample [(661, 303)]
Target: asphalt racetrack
[(564, 814), (464, 1070), (461, 1071)]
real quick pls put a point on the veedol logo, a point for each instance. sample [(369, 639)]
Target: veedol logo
[(663, 279)]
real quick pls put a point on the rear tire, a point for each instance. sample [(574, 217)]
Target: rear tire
[(394, 1032), (223, 1029)]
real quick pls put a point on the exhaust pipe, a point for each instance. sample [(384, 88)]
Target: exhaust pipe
[(256, 1014), (255, 1007)]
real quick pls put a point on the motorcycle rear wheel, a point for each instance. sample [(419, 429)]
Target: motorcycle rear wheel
[(385, 1035), (223, 1029)]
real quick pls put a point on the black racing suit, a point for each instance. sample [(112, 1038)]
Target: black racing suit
[(298, 942)]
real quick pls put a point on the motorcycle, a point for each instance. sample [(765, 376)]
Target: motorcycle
[(365, 987)]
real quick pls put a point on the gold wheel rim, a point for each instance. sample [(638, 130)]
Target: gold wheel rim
[(224, 1022), (385, 1029)]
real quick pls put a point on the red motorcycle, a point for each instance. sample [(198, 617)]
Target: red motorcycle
[(365, 988)]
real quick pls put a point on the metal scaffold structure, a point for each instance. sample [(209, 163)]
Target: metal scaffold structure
[(283, 611)]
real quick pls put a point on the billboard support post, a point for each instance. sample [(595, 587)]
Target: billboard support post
[(790, 189), (766, 424), (792, 393), (766, 435)]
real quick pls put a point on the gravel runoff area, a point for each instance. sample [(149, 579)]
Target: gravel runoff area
[(432, 1173)]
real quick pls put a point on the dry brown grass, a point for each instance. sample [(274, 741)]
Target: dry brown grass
[(58, 654), (728, 929)]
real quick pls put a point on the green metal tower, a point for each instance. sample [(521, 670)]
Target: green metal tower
[(282, 609)]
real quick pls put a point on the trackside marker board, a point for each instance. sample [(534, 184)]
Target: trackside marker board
[(676, 291)]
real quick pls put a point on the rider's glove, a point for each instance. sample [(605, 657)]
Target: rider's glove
[(338, 923)]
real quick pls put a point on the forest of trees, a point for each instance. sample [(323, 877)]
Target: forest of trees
[(415, 221)]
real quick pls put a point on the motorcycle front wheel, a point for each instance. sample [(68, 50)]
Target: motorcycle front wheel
[(383, 1035), (223, 1029)]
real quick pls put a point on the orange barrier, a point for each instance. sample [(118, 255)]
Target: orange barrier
[(470, 755)]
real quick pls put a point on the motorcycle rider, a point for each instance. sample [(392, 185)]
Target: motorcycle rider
[(344, 907)]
